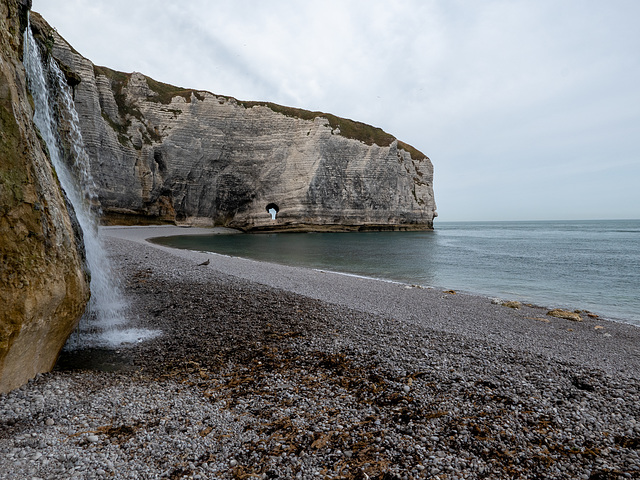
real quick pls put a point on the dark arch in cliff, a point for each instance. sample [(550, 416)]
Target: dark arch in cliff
[(273, 206)]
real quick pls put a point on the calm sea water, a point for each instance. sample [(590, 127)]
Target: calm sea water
[(591, 265)]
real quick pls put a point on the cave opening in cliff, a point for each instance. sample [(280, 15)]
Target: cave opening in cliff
[(273, 210)]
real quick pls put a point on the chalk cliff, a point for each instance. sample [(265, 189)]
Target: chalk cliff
[(43, 284), (160, 153)]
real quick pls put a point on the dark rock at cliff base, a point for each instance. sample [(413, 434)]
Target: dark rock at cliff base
[(161, 153)]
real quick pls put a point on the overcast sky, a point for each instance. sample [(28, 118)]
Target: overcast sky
[(528, 109)]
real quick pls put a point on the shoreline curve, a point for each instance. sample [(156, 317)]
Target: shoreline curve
[(613, 346)]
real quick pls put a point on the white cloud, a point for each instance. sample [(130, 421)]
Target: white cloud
[(491, 90)]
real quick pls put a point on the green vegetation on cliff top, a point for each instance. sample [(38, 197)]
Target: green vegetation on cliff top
[(348, 128), (126, 110), (164, 93), (119, 81)]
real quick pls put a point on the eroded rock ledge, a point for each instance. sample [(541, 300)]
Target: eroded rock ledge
[(160, 153)]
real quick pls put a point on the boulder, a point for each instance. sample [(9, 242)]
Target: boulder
[(512, 304), (566, 314)]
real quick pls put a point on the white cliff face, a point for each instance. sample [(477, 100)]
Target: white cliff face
[(160, 153)]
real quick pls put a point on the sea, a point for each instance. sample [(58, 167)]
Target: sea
[(579, 265)]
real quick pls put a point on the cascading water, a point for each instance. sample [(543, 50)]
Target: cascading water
[(55, 111)]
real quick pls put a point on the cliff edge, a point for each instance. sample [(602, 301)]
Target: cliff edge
[(43, 283), (161, 153)]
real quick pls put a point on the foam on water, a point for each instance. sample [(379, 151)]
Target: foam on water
[(110, 338)]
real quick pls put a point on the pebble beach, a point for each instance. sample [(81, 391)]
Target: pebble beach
[(267, 371)]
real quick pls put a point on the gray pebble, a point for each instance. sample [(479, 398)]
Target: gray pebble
[(342, 394)]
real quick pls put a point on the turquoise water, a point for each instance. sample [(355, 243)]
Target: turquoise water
[(590, 265)]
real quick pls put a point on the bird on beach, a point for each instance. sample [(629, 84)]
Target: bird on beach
[(205, 263)]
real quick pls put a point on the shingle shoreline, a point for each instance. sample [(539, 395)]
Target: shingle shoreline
[(265, 371)]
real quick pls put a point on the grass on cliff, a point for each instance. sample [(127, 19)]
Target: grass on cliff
[(348, 128), (164, 93), (119, 81)]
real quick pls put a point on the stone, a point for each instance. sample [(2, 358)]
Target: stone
[(160, 153), (566, 314), (512, 304), (43, 282)]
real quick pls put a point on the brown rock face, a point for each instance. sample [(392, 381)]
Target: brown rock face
[(43, 284), (160, 153)]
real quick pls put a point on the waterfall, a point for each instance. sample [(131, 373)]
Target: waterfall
[(57, 119)]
